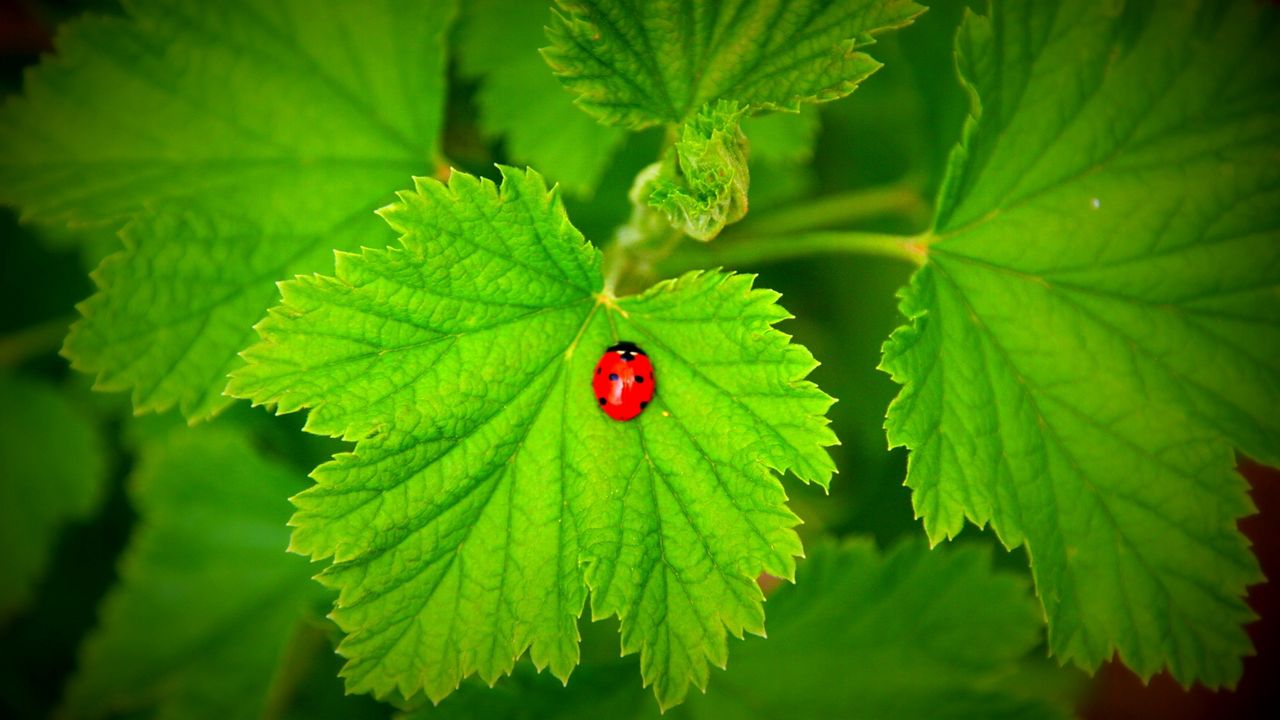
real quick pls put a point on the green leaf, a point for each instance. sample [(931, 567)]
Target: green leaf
[(487, 492), (522, 102), (706, 187), (907, 633), (640, 64), (53, 463), (1097, 325), (179, 302), (254, 111), (208, 598)]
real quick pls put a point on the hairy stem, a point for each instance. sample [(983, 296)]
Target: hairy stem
[(634, 241)]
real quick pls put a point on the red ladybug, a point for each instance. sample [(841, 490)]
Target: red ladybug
[(623, 382)]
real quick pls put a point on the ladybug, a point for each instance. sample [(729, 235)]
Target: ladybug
[(623, 382)]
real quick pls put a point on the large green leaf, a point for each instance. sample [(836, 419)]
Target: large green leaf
[(287, 122), (208, 599), (52, 460), (487, 492), (643, 63), (910, 633), (1097, 325)]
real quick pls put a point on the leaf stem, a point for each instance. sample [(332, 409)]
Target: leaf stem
[(648, 247), (764, 249), (644, 229), (901, 198)]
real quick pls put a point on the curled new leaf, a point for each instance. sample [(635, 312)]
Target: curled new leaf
[(706, 187)]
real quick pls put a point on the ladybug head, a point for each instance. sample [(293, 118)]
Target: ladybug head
[(626, 348)]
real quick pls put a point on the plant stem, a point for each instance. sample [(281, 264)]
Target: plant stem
[(645, 228), (29, 342), (901, 198), (648, 247), (763, 249)]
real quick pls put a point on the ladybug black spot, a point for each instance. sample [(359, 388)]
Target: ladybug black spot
[(597, 371), (640, 379), (644, 404), (613, 376), (601, 400)]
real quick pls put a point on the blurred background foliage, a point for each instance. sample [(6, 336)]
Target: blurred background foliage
[(891, 136)]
